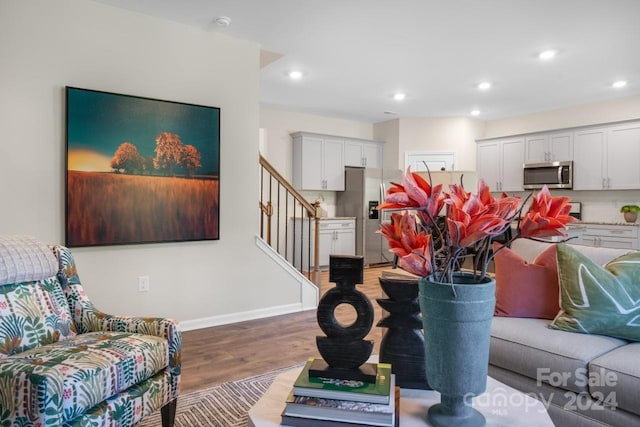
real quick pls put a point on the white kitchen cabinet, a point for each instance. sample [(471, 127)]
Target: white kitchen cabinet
[(337, 236), (607, 158), (623, 157), (363, 153), (499, 163), (318, 162), (589, 172), (610, 236), (548, 147)]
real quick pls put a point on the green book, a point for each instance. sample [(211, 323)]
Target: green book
[(335, 388)]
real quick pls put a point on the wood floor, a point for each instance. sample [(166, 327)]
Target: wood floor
[(223, 353)]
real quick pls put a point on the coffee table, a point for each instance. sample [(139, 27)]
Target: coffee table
[(501, 405)]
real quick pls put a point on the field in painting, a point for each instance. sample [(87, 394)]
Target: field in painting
[(107, 208)]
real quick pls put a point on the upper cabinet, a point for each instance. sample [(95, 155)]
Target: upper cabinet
[(363, 153), (318, 162), (623, 156), (607, 158), (549, 147), (499, 163), (589, 171)]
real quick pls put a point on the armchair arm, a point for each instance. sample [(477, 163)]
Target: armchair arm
[(31, 393), (89, 319)]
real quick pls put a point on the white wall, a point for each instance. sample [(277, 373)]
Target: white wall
[(627, 108), (453, 134), (389, 132), (45, 45)]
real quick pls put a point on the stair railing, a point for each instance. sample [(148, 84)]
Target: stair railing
[(287, 220)]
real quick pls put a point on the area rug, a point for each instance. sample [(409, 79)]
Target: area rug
[(224, 405)]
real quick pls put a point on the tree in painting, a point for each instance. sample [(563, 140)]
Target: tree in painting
[(190, 159), (127, 159), (168, 152)]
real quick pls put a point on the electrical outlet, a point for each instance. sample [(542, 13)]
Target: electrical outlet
[(143, 283)]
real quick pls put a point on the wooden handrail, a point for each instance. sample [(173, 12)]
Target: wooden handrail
[(269, 167), (312, 211)]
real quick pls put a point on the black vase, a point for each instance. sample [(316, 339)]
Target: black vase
[(403, 342)]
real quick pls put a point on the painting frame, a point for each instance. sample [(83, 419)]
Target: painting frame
[(139, 170)]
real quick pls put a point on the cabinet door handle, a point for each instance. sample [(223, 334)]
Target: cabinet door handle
[(616, 231), (604, 182), (608, 182)]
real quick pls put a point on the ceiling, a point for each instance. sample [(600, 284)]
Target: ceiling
[(355, 54)]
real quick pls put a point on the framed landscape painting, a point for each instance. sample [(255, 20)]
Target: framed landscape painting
[(140, 170)]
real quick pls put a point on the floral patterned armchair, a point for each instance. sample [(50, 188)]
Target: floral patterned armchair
[(64, 363)]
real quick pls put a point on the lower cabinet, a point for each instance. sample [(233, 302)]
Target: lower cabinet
[(609, 236), (337, 236)]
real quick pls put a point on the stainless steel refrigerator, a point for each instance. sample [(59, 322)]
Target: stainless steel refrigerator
[(364, 191)]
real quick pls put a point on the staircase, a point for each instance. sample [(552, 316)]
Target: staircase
[(285, 217)]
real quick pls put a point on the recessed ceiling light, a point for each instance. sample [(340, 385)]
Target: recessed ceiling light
[(399, 96), (484, 86), (547, 54), (619, 84), (295, 74), (475, 112), (222, 21)]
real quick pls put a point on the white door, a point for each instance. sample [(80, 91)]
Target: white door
[(623, 157), (325, 239), (311, 163), (488, 163), (353, 153), (561, 146), (588, 159), (435, 161), (372, 155), (333, 164), (512, 161), (345, 242), (536, 149)]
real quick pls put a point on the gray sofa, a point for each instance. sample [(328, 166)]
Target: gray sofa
[(584, 380)]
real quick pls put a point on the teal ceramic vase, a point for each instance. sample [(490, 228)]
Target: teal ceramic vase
[(457, 332)]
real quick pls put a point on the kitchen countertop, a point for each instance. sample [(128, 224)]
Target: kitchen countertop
[(629, 224), (340, 218)]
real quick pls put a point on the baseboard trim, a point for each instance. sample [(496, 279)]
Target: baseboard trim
[(225, 319)]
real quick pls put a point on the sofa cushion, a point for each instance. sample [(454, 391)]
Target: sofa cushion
[(530, 348), (529, 249), (93, 367), (526, 289), (615, 378), (33, 314), (599, 300)]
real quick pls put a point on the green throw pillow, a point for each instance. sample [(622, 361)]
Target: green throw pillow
[(599, 300)]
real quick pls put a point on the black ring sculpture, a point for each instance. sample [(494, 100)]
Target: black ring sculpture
[(343, 348)]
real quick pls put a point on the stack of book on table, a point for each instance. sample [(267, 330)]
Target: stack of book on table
[(333, 402)]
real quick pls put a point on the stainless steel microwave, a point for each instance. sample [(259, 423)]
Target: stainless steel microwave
[(551, 174)]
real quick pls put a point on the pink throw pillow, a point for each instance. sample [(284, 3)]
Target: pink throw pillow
[(526, 289)]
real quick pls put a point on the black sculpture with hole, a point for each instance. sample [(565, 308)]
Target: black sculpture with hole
[(344, 348)]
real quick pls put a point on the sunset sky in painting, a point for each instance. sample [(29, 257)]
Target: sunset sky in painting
[(98, 122)]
